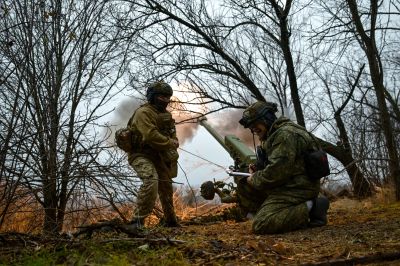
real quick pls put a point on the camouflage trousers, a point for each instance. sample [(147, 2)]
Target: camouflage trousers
[(156, 180), (279, 214)]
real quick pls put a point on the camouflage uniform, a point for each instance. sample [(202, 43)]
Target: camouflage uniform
[(283, 180), (249, 198), (154, 159)]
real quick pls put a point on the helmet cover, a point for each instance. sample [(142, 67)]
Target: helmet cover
[(256, 112), (158, 87)]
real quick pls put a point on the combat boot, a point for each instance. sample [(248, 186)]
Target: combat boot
[(318, 212)]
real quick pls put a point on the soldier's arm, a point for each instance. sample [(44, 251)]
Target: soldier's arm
[(147, 125), (281, 159), (174, 137), (226, 198)]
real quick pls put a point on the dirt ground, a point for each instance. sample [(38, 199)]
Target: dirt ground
[(358, 233)]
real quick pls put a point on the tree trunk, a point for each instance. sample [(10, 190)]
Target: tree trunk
[(361, 187), (294, 90), (376, 71), (394, 164), (50, 226), (284, 43)]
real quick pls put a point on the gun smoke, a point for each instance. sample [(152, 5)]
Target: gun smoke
[(185, 129), (225, 122)]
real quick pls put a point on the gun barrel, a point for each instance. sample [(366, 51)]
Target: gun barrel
[(239, 152), (213, 132)]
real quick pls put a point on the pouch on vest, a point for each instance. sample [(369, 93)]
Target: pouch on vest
[(174, 169), (123, 138), (316, 164), (129, 139), (170, 155), (171, 158), (166, 124), (316, 160)]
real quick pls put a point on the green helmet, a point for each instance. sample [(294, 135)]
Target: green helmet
[(159, 87), (259, 111)]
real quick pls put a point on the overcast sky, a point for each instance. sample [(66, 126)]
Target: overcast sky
[(198, 170)]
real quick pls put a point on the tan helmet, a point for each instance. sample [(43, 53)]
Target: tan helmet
[(258, 111)]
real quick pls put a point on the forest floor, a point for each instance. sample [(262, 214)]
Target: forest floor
[(358, 233)]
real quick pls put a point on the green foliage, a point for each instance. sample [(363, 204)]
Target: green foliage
[(119, 253), (33, 258)]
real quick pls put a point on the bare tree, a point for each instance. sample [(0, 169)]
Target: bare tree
[(368, 43), (231, 55), (63, 62), (272, 18), (369, 25)]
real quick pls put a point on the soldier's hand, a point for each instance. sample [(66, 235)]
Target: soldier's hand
[(252, 168), (175, 143)]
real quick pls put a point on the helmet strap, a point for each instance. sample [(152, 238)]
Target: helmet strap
[(254, 143), (269, 118)]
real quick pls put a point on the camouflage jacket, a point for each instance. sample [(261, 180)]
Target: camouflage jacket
[(285, 175), (153, 134)]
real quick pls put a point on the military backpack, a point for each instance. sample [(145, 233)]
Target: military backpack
[(123, 138)]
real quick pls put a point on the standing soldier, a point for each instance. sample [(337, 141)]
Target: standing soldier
[(154, 154), (291, 200)]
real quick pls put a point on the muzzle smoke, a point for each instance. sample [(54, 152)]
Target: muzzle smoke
[(185, 128), (225, 123)]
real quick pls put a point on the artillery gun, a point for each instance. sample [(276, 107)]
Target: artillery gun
[(240, 192)]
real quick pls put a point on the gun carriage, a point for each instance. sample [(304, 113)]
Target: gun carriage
[(238, 192)]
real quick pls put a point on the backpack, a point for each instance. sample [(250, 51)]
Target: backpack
[(316, 161), (123, 138), (316, 164)]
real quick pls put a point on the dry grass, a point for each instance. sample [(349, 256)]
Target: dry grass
[(356, 229), (27, 216), (384, 195)]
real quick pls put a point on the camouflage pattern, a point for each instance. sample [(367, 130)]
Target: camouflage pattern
[(154, 158), (147, 194), (160, 87), (281, 214), (249, 198), (153, 137), (284, 180), (155, 181)]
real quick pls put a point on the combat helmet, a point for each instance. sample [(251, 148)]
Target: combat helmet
[(158, 87), (259, 111)]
